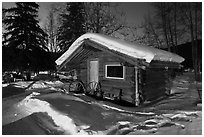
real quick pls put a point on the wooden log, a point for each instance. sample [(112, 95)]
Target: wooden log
[(118, 84)]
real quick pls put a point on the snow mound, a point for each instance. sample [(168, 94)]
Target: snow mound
[(180, 117), (124, 122), (184, 116), (157, 123), (38, 85), (190, 113), (22, 84), (51, 85), (5, 85), (31, 105), (152, 125), (54, 82)]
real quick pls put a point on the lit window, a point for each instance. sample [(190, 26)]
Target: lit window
[(115, 71)]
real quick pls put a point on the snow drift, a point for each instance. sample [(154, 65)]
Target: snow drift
[(31, 105)]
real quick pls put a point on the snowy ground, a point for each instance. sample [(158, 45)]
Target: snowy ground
[(41, 108)]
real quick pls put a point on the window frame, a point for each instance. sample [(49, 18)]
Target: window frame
[(114, 64)]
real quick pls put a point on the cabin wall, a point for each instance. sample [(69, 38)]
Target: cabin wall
[(156, 83), (112, 86), (125, 85)]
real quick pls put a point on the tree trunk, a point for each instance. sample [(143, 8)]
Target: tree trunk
[(175, 26), (170, 29), (196, 44), (192, 39), (164, 24), (86, 16), (98, 17), (150, 24)]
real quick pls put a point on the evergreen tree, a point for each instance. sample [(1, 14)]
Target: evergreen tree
[(73, 24), (22, 28), (24, 36)]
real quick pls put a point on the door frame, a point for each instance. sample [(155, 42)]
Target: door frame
[(88, 68)]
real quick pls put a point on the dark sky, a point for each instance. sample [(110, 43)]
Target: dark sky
[(135, 11)]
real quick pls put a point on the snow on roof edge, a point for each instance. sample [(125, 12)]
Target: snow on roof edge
[(131, 49)]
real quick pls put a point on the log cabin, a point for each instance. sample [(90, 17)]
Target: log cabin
[(118, 69)]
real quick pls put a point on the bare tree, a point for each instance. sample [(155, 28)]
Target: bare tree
[(191, 18), (103, 17), (150, 33), (50, 27)]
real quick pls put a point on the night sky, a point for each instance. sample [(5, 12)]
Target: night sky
[(135, 11)]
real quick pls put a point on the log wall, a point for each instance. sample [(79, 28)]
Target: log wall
[(156, 83), (113, 86)]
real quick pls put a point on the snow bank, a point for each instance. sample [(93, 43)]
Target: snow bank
[(22, 84), (182, 115), (157, 123), (31, 105), (45, 84), (130, 49), (38, 84), (54, 82), (107, 107), (5, 85)]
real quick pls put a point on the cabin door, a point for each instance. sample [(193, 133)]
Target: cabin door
[(93, 70)]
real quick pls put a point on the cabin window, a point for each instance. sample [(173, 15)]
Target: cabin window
[(115, 71)]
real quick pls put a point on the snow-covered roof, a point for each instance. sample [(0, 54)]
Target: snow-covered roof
[(133, 50)]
